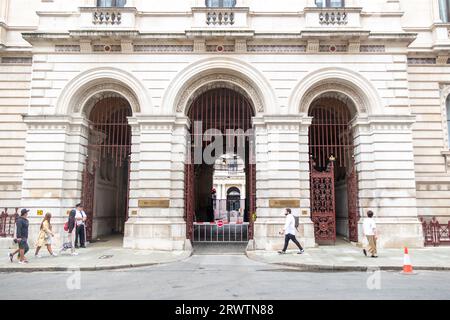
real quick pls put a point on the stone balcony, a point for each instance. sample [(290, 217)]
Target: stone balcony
[(108, 18), (441, 37), (220, 18), (333, 18)]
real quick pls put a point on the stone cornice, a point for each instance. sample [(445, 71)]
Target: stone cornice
[(36, 37)]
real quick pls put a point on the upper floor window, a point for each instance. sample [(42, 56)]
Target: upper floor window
[(448, 120), (332, 3), (111, 3), (220, 3), (444, 10)]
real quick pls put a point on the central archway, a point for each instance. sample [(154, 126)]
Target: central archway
[(221, 128)]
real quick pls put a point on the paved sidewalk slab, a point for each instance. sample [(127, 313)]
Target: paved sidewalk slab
[(92, 258), (348, 258)]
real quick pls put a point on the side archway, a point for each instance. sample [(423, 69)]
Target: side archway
[(363, 96), (91, 86)]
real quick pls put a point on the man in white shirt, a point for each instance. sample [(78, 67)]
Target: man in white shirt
[(370, 231), (80, 220), (289, 232)]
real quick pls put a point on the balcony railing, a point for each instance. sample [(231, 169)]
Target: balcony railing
[(333, 17), (338, 17), (220, 18), (108, 18)]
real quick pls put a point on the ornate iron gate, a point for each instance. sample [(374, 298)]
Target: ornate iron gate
[(220, 109), (353, 209), (323, 213), (88, 196), (189, 192)]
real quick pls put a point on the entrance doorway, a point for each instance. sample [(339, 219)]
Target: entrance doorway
[(221, 156), (106, 176), (334, 194)]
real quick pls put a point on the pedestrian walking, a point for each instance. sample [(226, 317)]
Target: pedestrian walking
[(370, 232), (45, 236), (290, 226), (21, 238), (80, 219), (69, 226)]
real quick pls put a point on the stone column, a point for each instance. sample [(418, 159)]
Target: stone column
[(385, 164), (157, 184), (55, 153), (282, 178)]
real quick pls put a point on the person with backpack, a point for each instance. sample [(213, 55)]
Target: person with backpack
[(290, 225), (69, 226)]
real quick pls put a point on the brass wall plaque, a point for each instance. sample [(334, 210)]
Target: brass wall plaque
[(154, 203), (284, 203)]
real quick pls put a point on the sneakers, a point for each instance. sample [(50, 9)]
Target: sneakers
[(54, 254), (38, 256), (23, 262), (365, 252), (11, 257), (374, 256), (282, 252), (301, 251), (74, 254)]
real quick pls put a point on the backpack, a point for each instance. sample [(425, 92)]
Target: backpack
[(297, 222)]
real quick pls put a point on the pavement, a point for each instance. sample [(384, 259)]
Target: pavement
[(350, 258), (107, 254)]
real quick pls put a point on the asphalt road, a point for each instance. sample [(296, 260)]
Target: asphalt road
[(232, 277)]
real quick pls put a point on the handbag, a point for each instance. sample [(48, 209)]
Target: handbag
[(66, 226)]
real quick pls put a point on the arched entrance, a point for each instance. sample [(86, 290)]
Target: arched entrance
[(221, 123), (334, 195), (233, 199), (106, 176)]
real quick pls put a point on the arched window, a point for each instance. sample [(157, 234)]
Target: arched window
[(448, 120), (111, 3), (220, 3), (444, 10), (330, 3)]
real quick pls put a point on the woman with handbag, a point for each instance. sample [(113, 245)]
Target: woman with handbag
[(45, 236)]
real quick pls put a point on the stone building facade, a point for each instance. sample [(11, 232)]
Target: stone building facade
[(386, 62)]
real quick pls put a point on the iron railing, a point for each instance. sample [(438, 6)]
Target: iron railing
[(213, 232), (7, 223), (435, 233)]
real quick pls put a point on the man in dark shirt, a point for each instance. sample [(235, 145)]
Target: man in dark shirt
[(21, 237)]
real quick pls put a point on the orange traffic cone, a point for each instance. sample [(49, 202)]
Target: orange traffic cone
[(407, 265)]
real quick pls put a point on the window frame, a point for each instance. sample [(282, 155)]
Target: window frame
[(208, 4), (444, 13), (327, 4), (113, 2)]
